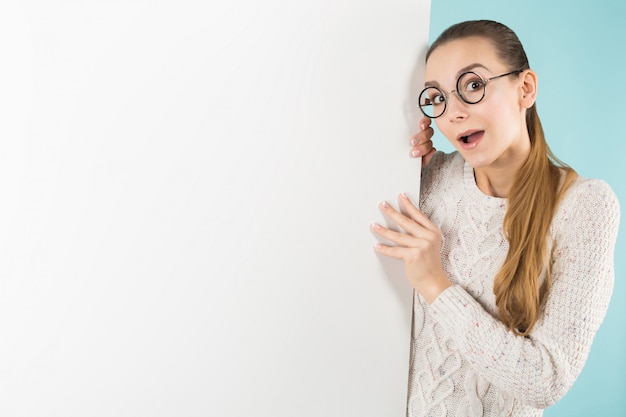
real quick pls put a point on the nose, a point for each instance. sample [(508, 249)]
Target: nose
[(457, 108)]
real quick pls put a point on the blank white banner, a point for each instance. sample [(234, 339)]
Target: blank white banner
[(186, 192)]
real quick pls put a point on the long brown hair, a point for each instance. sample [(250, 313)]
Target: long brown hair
[(533, 199)]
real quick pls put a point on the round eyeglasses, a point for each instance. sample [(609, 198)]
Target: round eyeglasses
[(470, 87)]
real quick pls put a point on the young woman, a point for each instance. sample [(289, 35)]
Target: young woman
[(510, 253)]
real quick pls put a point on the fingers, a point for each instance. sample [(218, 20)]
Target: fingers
[(416, 225), (421, 143), (391, 251), (398, 238), (415, 214), (419, 231), (425, 122), (407, 224), (421, 149)]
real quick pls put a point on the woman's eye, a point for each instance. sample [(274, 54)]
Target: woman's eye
[(438, 99), (474, 85)]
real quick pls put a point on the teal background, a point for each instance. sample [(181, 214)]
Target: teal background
[(577, 49)]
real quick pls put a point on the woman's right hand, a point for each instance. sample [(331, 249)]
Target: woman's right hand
[(421, 143)]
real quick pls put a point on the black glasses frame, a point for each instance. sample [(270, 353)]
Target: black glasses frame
[(459, 95)]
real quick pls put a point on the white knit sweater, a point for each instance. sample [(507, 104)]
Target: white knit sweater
[(464, 361)]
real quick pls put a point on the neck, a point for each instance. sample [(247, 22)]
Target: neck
[(494, 182), (497, 179)]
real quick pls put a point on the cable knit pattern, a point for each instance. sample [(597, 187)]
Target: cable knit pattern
[(464, 362)]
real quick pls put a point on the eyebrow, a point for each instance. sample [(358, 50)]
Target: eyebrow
[(459, 72)]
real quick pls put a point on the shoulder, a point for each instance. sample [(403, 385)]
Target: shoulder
[(441, 169), (591, 195), (442, 163), (442, 159), (589, 203), (442, 176)]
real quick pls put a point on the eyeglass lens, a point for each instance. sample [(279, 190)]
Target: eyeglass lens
[(470, 88)]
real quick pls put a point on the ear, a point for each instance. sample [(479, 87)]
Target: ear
[(528, 89)]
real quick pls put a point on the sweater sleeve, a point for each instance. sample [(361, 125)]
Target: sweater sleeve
[(539, 369)]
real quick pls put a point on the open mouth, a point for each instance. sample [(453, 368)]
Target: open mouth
[(471, 137)]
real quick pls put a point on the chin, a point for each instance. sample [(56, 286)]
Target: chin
[(477, 161)]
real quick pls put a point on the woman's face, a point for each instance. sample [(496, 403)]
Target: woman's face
[(491, 133)]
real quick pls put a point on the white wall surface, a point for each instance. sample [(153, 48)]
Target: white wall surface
[(185, 194)]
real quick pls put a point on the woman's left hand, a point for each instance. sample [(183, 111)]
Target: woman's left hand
[(419, 246)]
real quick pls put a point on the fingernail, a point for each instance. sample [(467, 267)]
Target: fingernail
[(423, 126), (375, 226), (403, 195), (377, 246), (414, 142), (415, 153), (385, 204)]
